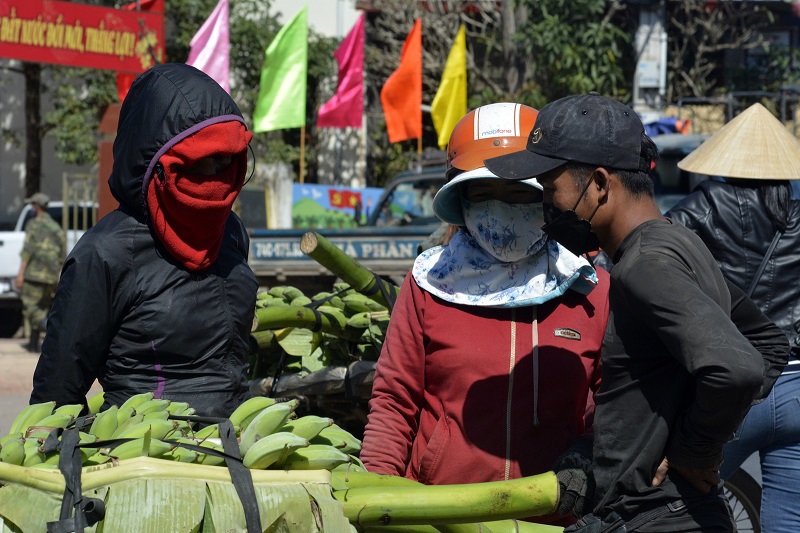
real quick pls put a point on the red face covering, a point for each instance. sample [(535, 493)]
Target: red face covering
[(188, 212)]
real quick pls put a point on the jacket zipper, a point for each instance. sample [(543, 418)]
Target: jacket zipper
[(511, 362)]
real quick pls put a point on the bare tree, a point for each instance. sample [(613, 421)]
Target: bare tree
[(699, 32)]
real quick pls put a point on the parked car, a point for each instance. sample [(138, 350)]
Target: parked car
[(79, 218)]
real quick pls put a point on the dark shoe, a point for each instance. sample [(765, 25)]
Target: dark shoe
[(34, 345)]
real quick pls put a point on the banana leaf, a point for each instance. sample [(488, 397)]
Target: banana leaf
[(154, 495)]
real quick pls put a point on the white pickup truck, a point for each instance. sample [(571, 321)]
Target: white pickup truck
[(80, 217)]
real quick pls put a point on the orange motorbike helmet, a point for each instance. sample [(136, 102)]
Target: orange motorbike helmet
[(489, 131)]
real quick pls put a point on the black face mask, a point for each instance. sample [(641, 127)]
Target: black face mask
[(569, 230)]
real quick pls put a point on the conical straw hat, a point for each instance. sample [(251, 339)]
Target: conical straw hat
[(753, 145)]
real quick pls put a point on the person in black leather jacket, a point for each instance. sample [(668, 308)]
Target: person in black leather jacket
[(158, 296), (739, 218)]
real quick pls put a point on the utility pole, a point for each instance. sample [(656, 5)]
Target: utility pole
[(650, 78)]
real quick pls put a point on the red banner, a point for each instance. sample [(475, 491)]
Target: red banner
[(81, 35), (344, 198)]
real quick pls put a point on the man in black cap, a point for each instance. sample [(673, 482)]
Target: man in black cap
[(685, 353)]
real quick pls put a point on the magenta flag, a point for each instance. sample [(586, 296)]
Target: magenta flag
[(210, 46), (344, 110)]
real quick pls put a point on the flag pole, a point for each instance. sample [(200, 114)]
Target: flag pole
[(302, 153), (359, 164)]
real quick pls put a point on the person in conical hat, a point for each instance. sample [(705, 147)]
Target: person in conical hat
[(491, 361), (749, 217)]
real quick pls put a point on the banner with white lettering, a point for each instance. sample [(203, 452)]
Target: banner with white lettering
[(81, 35)]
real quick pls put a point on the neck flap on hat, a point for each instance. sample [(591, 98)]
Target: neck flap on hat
[(188, 212), (464, 273)]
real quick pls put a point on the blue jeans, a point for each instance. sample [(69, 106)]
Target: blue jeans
[(772, 428)]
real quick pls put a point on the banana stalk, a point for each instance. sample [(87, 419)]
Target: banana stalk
[(342, 265), (292, 316), (451, 504), (93, 477)]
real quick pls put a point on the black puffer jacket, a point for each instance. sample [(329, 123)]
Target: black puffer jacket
[(125, 312), (732, 221)]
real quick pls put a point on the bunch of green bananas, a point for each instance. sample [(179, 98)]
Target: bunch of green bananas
[(270, 435), (348, 326)]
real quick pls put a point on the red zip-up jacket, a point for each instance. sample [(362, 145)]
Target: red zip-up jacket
[(461, 396)]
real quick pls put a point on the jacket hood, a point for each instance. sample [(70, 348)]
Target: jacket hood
[(164, 105)]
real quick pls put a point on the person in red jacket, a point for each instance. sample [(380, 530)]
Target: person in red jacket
[(492, 356)]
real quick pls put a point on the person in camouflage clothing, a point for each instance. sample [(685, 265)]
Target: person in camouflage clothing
[(42, 256)]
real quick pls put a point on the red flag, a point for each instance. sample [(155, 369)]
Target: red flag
[(125, 80), (345, 108), (339, 198), (401, 95)]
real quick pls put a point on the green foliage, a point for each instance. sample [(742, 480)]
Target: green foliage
[(575, 49), (79, 97)]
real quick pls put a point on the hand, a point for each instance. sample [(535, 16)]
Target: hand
[(703, 479), (575, 491), (19, 280)]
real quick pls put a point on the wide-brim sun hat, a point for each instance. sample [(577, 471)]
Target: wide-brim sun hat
[(447, 202), (754, 145)]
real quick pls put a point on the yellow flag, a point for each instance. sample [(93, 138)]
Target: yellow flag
[(450, 103)]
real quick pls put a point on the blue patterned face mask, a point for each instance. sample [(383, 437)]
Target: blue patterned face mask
[(508, 232)]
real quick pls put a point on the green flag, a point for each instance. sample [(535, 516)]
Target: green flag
[(282, 93)]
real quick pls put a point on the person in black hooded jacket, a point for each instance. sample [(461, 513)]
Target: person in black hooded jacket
[(158, 296), (749, 217)]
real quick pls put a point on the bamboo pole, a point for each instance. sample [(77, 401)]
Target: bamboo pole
[(345, 267)]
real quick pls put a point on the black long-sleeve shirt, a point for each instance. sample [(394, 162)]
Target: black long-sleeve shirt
[(684, 357)]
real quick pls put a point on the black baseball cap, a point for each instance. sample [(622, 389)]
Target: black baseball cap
[(588, 128)]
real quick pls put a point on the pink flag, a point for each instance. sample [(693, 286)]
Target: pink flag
[(347, 105), (210, 46)]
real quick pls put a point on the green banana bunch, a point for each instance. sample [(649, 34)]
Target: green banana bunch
[(12, 451), (336, 301), (150, 406), (358, 303), (124, 413), (343, 288), (137, 400), (95, 402), (55, 420), (156, 415), (141, 447), (360, 320), (31, 415), (210, 431), (301, 301), (339, 438), (272, 449), (286, 292), (10, 436), (73, 409), (265, 423), (272, 302), (315, 457), (178, 408), (128, 423), (209, 459), (33, 453), (159, 429), (307, 426), (247, 411), (182, 455)]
